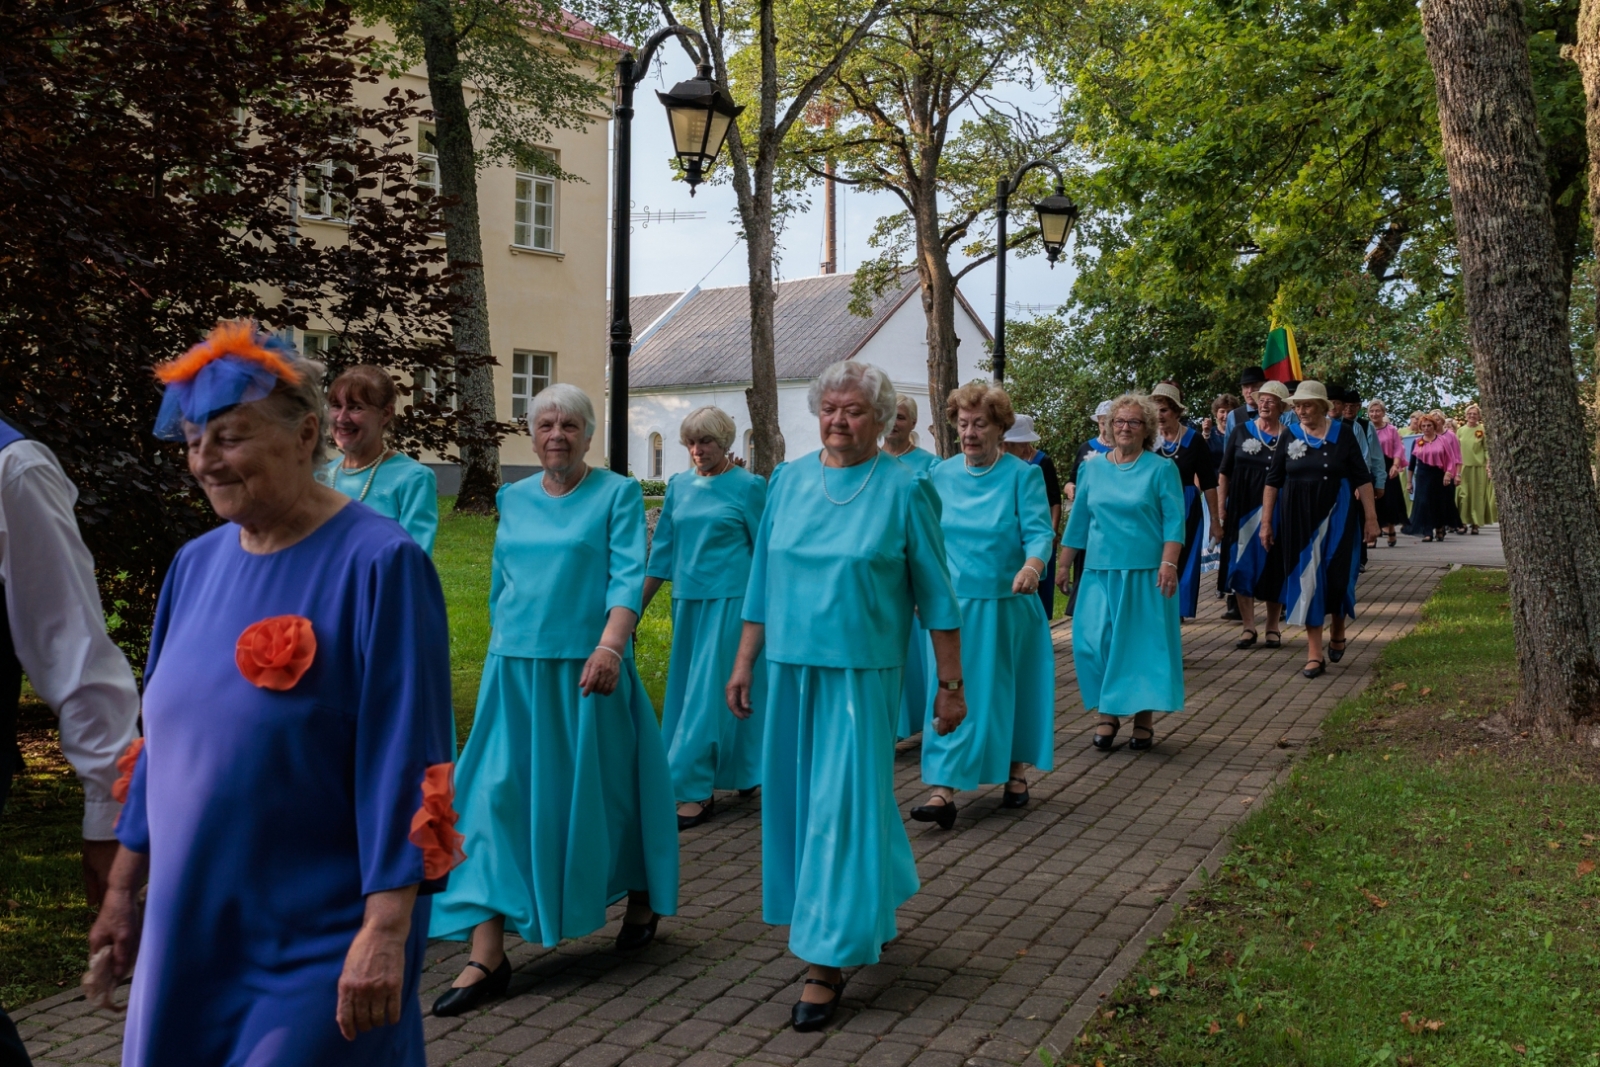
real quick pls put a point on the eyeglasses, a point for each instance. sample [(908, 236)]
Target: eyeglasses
[(1127, 424)]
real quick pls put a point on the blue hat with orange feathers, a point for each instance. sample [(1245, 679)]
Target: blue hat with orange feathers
[(237, 364)]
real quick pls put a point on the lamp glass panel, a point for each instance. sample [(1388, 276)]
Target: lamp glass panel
[(688, 130), (718, 134), (1053, 226)]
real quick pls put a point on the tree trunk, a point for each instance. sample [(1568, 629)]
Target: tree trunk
[(939, 307), (1517, 326), (469, 325), (762, 396)]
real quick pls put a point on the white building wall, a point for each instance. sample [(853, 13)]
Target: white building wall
[(899, 347)]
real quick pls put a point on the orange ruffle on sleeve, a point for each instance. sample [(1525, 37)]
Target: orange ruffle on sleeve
[(125, 765), (275, 652), (433, 827)]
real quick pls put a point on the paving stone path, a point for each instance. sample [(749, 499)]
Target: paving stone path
[(1023, 916)]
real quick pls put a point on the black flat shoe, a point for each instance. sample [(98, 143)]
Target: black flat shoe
[(1274, 639), (1141, 744), (1336, 654), (1318, 671), (807, 1017), (1106, 742), (943, 814), (1008, 799), (637, 935), (1246, 642), (459, 1000), (749, 792), (707, 809)]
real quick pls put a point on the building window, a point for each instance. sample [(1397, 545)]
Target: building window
[(655, 455), (322, 191), (319, 345), (536, 213), (435, 387), (427, 158), (531, 372)]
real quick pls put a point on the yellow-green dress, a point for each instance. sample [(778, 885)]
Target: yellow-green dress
[(1475, 494)]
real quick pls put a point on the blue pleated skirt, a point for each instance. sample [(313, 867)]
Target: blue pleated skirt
[(707, 748), (916, 696), (836, 861), (565, 802), (1126, 644), (1009, 669)]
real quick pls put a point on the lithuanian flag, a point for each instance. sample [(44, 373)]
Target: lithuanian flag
[(1281, 360)]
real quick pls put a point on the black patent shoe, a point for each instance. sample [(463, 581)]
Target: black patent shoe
[(458, 1000), (1318, 671), (943, 814), (749, 792), (807, 1017), (637, 935), (1008, 799), (1106, 742), (1336, 654), (1246, 642), (1141, 744), (707, 809)]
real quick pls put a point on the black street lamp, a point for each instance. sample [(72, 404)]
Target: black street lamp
[(1057, 215), (700, 115)]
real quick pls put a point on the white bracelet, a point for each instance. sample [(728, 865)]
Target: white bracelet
[(1169, 563), (608, 648), (1036, 575)]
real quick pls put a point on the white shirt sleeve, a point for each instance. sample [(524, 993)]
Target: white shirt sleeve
[(58, 628)]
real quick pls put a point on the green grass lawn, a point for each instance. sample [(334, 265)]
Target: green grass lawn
[(1421, 891), (44, 915)]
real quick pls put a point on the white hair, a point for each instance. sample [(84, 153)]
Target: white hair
[(909, 402), (870, 381), (566, 399), (708, 421)]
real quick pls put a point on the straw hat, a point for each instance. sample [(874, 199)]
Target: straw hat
[(1170, 394), (1309, 390), (1276, 389), (1022, 431), (1101, 412)]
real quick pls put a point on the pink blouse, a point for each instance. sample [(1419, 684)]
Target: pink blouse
[(1444, 451), (1389, 441)]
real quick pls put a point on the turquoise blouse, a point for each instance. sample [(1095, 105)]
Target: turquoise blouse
[(402, 489), (920, 460), (992, 523), (835, 583), (561, 563), (706, 533), (1124, 515)]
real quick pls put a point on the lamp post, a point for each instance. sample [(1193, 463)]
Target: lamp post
[(700, 115), (1057, 215)]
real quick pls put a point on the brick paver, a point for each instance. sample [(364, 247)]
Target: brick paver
[(1020, 911)]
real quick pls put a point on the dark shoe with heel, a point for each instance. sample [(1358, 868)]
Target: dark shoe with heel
[(807, 1017), (943, 814), (1142, 744), (1246, 642), (1318, 671), (637, 935), (1274, 639), (1106, 742), (707, 809), (1336, 650), (1008, 799), (458, 1000)]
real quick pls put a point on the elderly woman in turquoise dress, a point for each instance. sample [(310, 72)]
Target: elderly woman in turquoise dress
[(361, 407), (1129, 514), (901, 443), (566, 797), (997, 535), (702, 545), (849, 546)]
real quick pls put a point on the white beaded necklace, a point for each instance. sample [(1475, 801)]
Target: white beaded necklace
[(986, 471), (569, 492), (372, 468), (841, 503)]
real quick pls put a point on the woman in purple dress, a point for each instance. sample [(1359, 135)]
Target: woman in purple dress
[(292, 804)]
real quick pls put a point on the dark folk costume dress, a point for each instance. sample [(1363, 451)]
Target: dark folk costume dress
[(1195, 465), (1315, 521), (1430, 498), (1252, 570), (281, 782)]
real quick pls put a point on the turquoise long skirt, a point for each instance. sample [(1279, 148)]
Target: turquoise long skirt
[(1126, 644), (707, 748), (835, 858), (565, 802), (915, 695), (1009, 670)]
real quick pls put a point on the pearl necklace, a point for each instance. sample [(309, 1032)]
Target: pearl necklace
[(372, 467), (1277, 438), (1128, 466), (841, 503), (569, 492), (1168, 450), (969, 468)]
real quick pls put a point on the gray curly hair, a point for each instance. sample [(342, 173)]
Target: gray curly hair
[(871, 381), (1147, 412)]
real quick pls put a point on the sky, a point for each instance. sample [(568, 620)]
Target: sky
[(671, 256)]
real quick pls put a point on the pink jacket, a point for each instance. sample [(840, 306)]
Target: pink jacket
[(1444, 451), (1389, 441)]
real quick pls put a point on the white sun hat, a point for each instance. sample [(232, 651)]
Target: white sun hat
[(1022, 431)]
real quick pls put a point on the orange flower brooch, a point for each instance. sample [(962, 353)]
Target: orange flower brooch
[(275, 652)]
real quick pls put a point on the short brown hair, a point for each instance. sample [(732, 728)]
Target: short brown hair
[(1224, 400), (993, 400), (365, 384)]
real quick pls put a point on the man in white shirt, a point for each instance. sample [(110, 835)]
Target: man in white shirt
[(53, 628)]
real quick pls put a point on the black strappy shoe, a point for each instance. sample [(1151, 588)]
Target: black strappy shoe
[(1335, 654), (458, 1000), (1106, 742), (1318, 671), (1142, 744), (1274, 639), (807, 1017), (707, 809), (1246, 642), (637, 935), (944, 814), (1008, 799)]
